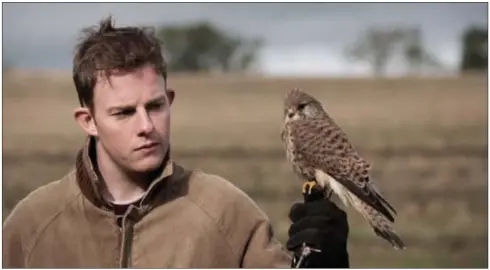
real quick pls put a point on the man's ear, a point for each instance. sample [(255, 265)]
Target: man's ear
[(84, 118), (170, 95)]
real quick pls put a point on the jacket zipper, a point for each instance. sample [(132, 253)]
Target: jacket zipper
[(127, 242)]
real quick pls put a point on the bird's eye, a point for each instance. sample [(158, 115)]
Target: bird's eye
[(301, 106)]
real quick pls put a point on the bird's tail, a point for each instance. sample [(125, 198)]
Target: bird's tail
[(382, 226), (391, 236)]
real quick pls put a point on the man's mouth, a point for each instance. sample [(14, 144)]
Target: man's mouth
[(148, 146)]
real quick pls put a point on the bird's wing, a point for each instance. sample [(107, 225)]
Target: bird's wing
[(326, 147)]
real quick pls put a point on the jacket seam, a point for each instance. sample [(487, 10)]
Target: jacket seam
[(219, 227), (40, 231)]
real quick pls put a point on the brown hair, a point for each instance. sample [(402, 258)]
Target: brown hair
[(109, 49)]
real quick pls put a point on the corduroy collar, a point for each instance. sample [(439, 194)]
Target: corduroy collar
[(91, 184)]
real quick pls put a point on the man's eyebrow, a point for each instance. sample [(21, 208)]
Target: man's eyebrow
[(120, 108), (131, 107), (157, 99)]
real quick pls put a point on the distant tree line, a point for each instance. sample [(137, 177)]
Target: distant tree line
[(377, 46), (202, 46), (475, 49)]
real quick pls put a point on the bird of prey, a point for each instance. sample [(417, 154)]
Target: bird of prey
[(321, 155)]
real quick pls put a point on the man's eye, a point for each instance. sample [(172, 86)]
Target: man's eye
[(124, 113), (155, 106)]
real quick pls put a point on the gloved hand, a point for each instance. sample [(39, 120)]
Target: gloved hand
[(320, 224)]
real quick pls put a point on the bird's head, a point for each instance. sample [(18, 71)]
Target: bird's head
[(300, 105)]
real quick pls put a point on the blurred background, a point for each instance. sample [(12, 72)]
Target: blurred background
[(407, 82)]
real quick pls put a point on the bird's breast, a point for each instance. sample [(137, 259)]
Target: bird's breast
[(295, 157), (289, 144)]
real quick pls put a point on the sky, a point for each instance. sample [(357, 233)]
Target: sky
[(299, 38)]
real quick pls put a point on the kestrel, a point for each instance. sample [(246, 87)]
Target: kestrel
[(321, 155)]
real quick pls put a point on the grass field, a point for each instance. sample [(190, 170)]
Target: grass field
[(426, 139)]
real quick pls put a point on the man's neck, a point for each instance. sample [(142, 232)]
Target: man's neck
[(120, 187)]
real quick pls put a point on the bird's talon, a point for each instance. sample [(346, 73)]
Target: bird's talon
[(308, 187)]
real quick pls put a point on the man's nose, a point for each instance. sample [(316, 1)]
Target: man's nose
[(145, 123)]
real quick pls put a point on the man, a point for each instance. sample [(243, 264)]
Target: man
[(128, 204)]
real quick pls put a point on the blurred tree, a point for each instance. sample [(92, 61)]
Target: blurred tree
[(415, 54), (376, 47), (414, 51), (203, 47), (475, 49)]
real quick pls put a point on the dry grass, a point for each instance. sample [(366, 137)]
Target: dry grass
[(426, 138)]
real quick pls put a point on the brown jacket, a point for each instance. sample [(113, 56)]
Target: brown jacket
[(187, 219)]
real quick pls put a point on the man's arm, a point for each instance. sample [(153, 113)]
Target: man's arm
[(12, 244), (263, 250), (20, 227), (249, 232), (318, 223)]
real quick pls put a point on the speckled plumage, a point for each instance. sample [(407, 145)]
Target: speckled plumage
[(318, 149)]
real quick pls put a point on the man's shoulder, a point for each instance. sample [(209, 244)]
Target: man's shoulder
[(218, 187), (244, 225), (43, 202), (221, 198)]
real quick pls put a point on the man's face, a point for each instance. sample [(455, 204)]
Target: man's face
[(131, 119)]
